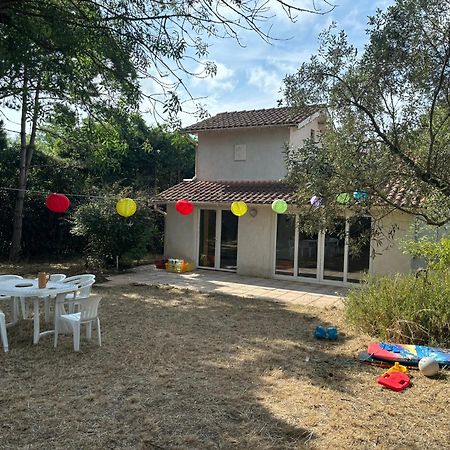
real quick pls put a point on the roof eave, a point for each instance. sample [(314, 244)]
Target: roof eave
[(280, 125)]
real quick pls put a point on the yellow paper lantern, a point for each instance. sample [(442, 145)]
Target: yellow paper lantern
[(126, 207), (239, 208)]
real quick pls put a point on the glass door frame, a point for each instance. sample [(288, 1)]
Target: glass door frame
[(320, 258), (218, 240)]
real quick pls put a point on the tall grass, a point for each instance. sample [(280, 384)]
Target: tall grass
[(403, 308)]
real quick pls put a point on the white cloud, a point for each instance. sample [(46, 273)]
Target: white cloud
[(265, 80), (223, 79)]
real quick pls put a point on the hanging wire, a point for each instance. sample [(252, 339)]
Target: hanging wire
[(31, 191)]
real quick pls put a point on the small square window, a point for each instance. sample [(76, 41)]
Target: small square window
[(240, 152)]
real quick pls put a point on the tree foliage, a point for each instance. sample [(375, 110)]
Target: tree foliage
[(92, 53), (388, 109), (122, 150), (110, 236), (160, 40), (63, 163)]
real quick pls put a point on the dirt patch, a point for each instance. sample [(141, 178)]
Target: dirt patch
[(182, 370)]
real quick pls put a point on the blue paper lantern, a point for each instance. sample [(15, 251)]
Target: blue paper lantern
[(360, 195)]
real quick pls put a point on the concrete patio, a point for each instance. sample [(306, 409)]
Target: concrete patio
[(207, 281)]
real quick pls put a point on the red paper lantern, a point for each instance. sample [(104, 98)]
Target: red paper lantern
[(184, 207), (57, 203)]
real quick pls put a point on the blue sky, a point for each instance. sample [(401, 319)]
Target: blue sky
[(251, 77)]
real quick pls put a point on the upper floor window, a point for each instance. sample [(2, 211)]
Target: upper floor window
[(240, 152)]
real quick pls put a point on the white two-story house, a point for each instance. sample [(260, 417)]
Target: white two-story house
[(240, 157)]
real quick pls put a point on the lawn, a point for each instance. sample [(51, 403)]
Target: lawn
[(182, 370)]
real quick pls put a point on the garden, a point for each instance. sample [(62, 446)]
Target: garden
[(179, 369)]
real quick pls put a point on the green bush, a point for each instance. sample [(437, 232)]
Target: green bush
[(404, 308), (109, 235), (435, 253)]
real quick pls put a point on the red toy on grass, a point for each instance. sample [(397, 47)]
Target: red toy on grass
[(396, 381)]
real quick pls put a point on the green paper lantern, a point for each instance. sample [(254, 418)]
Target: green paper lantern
[(279, 206), (343, 198)]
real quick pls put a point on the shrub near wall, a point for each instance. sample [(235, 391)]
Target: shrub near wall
[(404, 308), (109, 235)]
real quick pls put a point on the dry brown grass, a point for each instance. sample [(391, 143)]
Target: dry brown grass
[(181, 370)]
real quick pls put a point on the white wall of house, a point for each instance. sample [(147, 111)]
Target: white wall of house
[(256, 243), (264, 154), (261, 153), (180, 235), (298, 135), (391, 259)]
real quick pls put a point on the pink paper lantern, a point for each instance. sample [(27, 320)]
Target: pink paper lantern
[(57, 203), (184, 207)]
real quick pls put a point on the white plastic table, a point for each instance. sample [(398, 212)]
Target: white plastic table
[(28, 288)]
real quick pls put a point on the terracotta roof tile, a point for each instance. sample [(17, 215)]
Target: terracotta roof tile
[(253, 192), (285, 116), (400, 196), (256, 192)]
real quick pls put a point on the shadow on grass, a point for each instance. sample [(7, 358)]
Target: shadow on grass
[(176, 370)]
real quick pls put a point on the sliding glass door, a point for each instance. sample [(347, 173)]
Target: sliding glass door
[(207, 238), (341, 255), (284, 261), (228, 240), (218, 235), (308, 245), (359, 249), (334, 253)]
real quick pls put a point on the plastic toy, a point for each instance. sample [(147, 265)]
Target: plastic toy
[(408, 355), (396, 381), (330, 333), (397, 367), (429, 367)]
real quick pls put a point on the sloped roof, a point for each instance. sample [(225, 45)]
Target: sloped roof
[(285, 116), (253, 192)]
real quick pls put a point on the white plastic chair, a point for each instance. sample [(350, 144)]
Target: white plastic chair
[(87, 314), (79, 278), (84, 283), (13, 302), (57, 277), (3, 334)]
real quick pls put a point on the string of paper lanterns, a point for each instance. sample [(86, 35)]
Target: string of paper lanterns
[(126, 207), (60, 203)]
